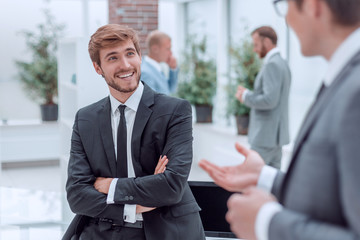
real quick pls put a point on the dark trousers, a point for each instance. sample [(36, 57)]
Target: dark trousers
[(92, 232)]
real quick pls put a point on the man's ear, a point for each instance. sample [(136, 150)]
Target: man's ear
[(268, 43), (97, 68)]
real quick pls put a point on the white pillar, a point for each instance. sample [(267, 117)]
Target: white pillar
[(222, 61), (85, 11)]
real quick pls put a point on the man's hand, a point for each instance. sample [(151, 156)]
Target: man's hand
[(142, 209), (240, 92), (236, 178), (243, 209), (103, 184), (172, 62), (161, 165), (160, 168)]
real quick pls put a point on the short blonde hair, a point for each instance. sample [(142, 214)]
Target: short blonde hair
[(155, 37)]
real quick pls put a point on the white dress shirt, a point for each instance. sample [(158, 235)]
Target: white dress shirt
[(338, 60), (130, 112)]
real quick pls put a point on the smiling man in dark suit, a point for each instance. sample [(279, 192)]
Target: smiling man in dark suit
[(131, 154), (319, 196)]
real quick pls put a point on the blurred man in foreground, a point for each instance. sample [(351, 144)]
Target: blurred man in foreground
[(319, 196)]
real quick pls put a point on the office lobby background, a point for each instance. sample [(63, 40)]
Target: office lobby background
[(24, 198)]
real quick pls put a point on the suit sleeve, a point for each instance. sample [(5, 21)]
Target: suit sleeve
[(289, 224), (173, 79), (269, 96), (83, 198), (167, 188), (275, 190)]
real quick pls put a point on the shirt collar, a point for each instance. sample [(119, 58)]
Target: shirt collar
[(153, 63), (132, 102), (271, 53), (342, 56)]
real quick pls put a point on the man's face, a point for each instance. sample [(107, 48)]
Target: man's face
[(259, 46), (165, 50), (300, 21), (120, 66)]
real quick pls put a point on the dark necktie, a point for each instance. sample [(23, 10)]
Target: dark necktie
[(121, 164)]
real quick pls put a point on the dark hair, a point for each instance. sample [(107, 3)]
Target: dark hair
[(110, 35), (345, 12), (266, 31)]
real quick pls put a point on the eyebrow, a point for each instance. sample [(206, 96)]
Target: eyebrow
[(110, 53), (126, 50)]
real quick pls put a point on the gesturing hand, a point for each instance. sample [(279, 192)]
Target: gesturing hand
[(236, 178)]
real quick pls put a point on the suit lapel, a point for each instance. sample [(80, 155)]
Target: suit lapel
[(315, 111), (104, 118), (142, 116)]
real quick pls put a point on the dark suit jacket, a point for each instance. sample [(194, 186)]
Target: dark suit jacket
[(163, 126), (321, 191)]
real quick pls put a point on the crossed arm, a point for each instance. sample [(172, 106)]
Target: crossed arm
[(103, 184)]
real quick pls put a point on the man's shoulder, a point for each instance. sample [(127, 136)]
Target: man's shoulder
[(94, 107), (146, 66), (277, 62), (165, 102)]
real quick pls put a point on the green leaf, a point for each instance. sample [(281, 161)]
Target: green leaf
[(197, 79), (39, 77)]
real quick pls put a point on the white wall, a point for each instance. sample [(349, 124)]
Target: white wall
[(306, 72), (205, 19), (19, 15)]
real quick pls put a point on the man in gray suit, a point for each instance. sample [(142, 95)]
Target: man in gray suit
[(159, 47), (319, 196), (269, 120)]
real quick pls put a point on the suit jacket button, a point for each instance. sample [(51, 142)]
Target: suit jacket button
[(126, 198), (131, 198)]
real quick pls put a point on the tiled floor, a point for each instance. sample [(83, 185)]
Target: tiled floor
[(30, 204), (32, 200)]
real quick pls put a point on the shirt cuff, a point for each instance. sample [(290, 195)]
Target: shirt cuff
[(263, 218), (267, 178), (111, 193), (244, 94), (130, 213)]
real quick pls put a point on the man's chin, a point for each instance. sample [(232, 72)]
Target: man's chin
[(129, 89)]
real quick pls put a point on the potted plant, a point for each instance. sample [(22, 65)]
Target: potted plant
[(39, 77), (246, 65), (198, 80)]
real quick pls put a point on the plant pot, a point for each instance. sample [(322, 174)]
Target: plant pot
[(49, 112), (203, 113), (242, 123)]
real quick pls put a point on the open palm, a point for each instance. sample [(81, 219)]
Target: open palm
[(236, 178)]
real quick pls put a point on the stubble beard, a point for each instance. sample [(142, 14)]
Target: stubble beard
[(263, 52), (112, 83)]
